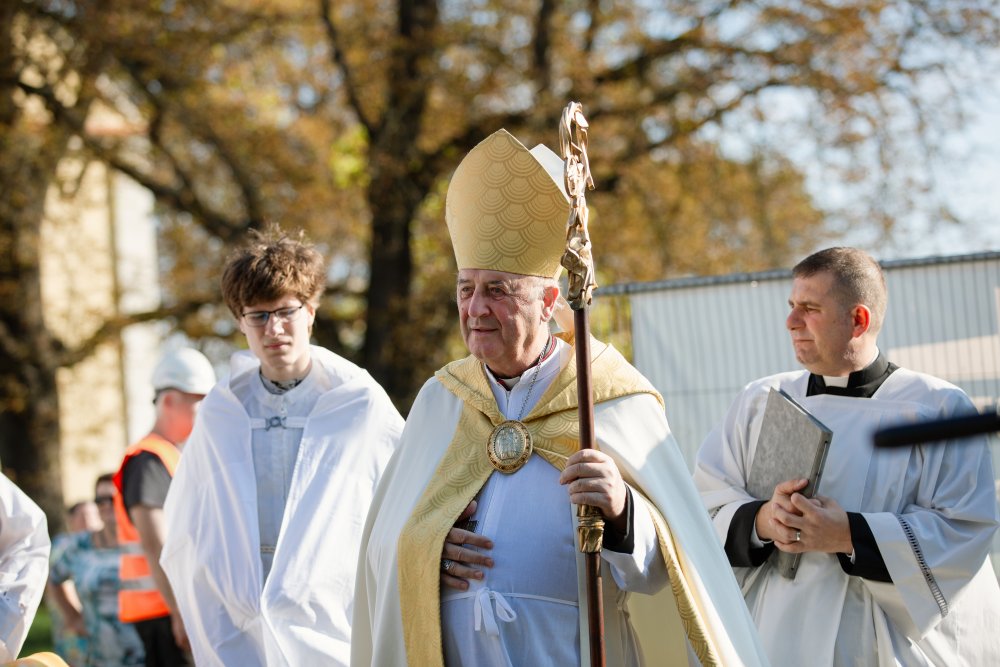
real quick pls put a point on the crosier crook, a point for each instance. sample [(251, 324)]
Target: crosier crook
[(578, 260)]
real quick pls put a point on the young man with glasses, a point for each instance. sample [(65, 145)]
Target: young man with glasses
[(265, 515)]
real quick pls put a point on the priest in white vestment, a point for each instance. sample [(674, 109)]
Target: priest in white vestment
[(895, 547), (265, 511), (468, 555)]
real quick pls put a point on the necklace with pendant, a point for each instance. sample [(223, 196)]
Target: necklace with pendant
[(510, 446)]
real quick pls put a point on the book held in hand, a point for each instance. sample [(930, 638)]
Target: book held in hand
[(792, 445)]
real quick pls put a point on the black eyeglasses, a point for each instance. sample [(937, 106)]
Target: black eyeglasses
[(103, 500), (259, 318)]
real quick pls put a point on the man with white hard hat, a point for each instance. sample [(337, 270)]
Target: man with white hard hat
[(180, 381)]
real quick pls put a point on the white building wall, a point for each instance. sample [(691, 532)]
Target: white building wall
[(138, 285), (98, 261)]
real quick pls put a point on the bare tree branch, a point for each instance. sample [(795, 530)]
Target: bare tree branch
[(540, 48), (112, 327), (182, 198), (340, 60)]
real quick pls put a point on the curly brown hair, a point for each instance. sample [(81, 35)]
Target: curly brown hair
[(272, 265)]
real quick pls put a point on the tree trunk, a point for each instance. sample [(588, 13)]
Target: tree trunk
[(398, 185), (29, 440), (29, 403), (393, 199)]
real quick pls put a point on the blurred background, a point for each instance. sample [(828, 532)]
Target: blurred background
[(141, 140)]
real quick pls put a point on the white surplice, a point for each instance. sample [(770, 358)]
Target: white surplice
[(527, 611), (512, 616), (301, 613), (24, 565), (275, 445), (931, 508)]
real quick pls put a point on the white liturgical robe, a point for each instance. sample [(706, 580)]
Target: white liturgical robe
[(512, 616), (527, 609), (932, 510), (275, 448), (301, 613), (24, 565)]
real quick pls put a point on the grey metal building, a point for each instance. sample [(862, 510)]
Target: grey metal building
[(701, 340)]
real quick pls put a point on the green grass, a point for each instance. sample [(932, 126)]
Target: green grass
[(40, 635)]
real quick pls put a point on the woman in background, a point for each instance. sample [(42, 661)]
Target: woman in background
[(70, 640), (90, 560)]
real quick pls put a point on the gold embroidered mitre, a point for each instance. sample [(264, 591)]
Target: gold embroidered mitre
[(506, 208)]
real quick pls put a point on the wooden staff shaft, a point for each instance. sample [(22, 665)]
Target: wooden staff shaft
[(584, 388), (579, 262)]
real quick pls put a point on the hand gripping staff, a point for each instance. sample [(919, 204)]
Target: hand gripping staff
[(579, 263)]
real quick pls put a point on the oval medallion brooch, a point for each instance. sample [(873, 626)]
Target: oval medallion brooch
[(509, 446)]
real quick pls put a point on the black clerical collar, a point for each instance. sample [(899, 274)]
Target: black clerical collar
[(860, 384), (508, 381)]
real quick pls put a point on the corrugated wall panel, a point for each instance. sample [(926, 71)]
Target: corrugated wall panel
[(700, 340)]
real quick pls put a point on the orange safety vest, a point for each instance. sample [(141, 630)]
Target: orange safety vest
[(139, 599)]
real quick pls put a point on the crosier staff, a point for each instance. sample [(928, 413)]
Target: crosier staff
[(579, 263)]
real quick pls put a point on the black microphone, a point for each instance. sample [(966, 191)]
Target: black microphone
[(962, 426)]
